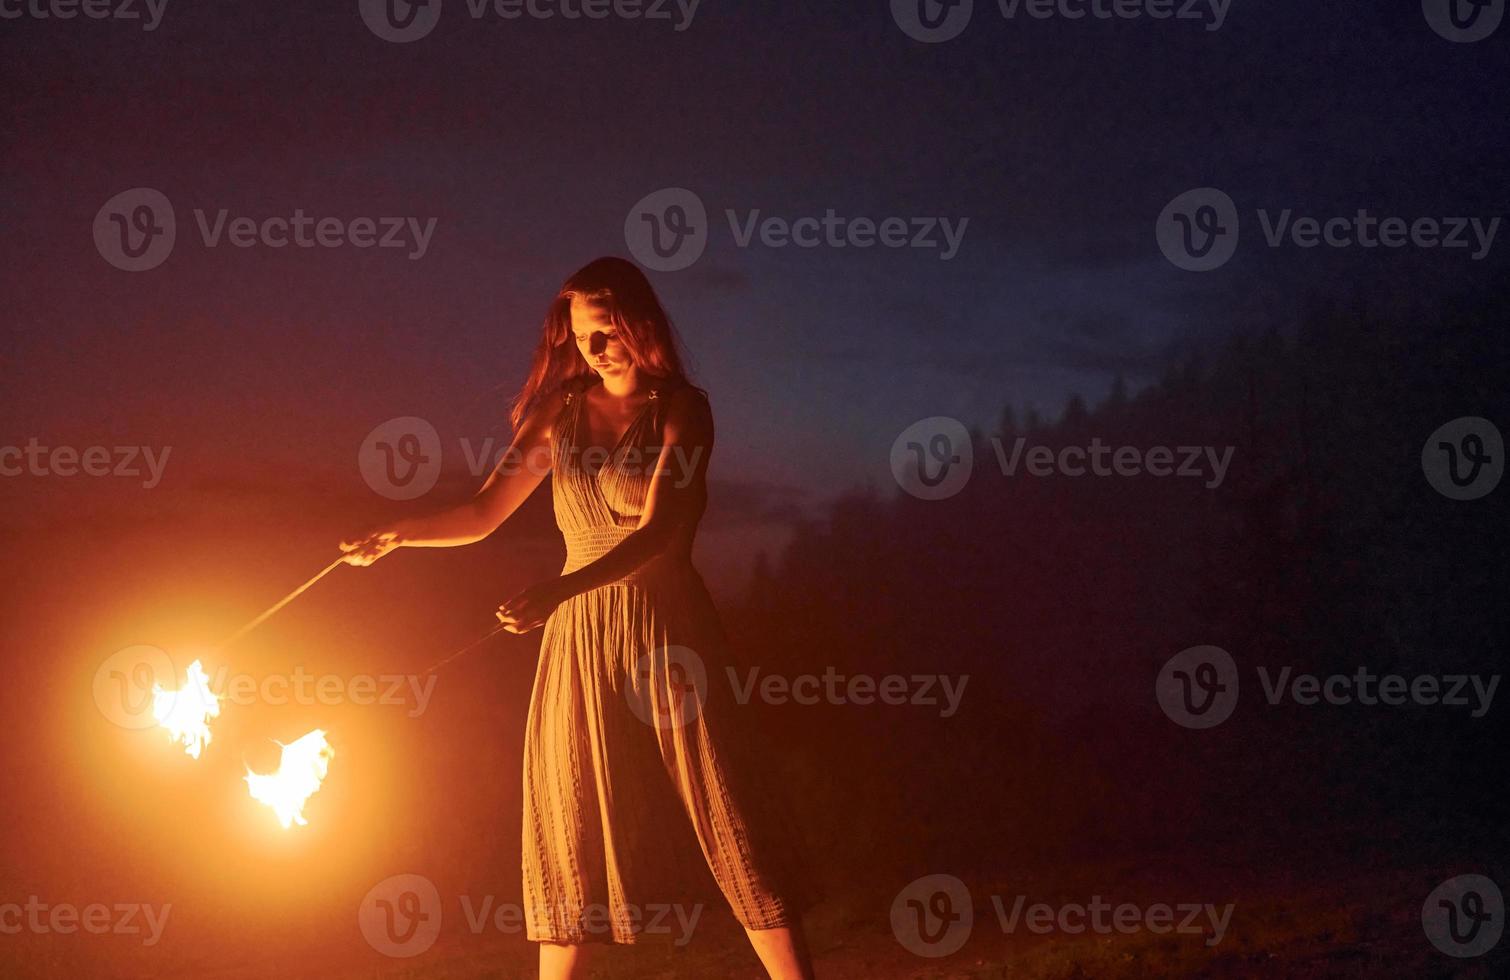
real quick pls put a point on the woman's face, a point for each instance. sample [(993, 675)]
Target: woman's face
[(597, 338)]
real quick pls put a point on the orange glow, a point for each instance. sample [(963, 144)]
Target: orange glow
[(186, 712), (300, 772)]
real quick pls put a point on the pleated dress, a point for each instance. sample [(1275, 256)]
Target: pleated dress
[(626, 743)]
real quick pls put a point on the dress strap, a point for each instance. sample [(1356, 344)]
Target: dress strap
[(657, 406), (571, 393)]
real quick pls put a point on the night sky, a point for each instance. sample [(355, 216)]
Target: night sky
[(529, 141)]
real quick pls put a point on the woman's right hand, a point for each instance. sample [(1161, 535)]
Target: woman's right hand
[(368, 548)]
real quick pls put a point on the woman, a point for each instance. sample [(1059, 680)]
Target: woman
[(608, 409)]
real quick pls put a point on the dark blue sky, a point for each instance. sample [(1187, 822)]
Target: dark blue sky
[(528, 141)]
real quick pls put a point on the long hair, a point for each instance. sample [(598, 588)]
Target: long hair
[(637, 315)]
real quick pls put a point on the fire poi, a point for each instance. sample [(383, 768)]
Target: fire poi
[(304, 762), (300, 772), (186, 712)]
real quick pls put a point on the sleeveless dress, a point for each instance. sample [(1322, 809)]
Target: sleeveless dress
[(625, 748)]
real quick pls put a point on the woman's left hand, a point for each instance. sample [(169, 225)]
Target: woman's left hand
[(529, 609)]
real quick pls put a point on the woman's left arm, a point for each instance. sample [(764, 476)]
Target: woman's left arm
[(678, 492)]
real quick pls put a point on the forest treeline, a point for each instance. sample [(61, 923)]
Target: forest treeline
[(1324, 549)]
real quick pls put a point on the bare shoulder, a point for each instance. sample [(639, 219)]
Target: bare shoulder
[(688, 413), (547, 408)]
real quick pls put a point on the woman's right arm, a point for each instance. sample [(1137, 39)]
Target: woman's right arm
[(518, 473)]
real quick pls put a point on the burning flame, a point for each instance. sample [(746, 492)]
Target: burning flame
[(186, 712), (300, 771)]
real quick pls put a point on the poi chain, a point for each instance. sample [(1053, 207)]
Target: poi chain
[(324, 572)]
